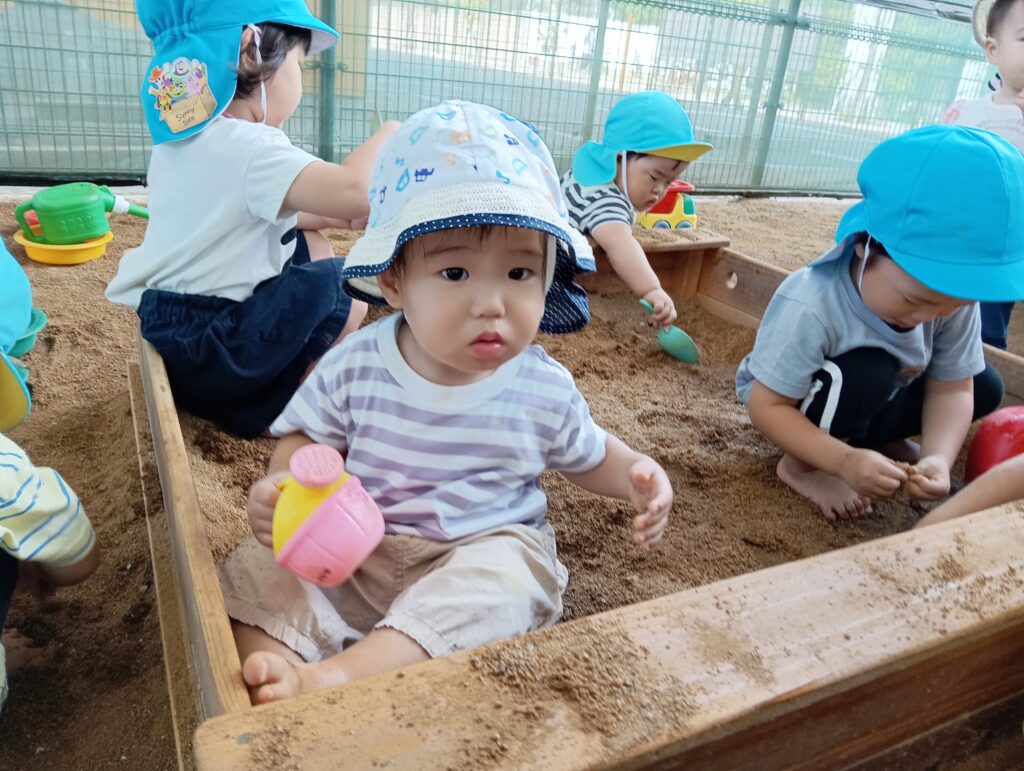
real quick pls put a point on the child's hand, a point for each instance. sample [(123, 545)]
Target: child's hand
[(651, 493), (929, 479), (872, 474), (664, 309), (263, 497)]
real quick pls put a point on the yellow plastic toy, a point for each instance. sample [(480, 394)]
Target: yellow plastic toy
[(325, 523), (295, 505), (675, 210), (66, 254)]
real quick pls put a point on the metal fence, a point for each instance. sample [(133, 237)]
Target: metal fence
[(793, 93)]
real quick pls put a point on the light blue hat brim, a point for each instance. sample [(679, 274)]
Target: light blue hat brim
[(181, 108), (966, 243)]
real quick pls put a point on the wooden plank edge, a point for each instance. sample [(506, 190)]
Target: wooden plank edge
[(819, 663), (985, 738), (184, 698), (214, 657)]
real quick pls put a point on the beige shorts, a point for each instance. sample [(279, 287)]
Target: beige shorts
[(447, 596)]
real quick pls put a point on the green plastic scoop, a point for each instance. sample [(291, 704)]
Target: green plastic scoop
[(674, 341)]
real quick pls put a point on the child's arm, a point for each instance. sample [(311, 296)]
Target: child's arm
[(945, 419), (40, 578), (867, 472), (336, 190), (263, 494), (630, 476), (307, 221), (1001, 484), (48, 529), (631, 265)]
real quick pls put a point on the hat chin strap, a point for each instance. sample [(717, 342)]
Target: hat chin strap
[(549, 264), (625, 173), (257, 37), (863, 266)]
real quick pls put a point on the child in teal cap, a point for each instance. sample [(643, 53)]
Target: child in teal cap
[(45, 534), (647, 143), (233, 285), (879, 339), (999, 30)]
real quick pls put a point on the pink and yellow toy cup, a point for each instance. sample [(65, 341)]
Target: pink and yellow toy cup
[(325, 524)]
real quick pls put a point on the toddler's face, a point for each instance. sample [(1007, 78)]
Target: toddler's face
[(1005, 49), (648, 178), (900, 300), (472, 300)]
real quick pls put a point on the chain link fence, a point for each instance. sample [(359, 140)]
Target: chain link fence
[(793, 93)]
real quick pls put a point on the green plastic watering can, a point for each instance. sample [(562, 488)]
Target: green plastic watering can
[(73, 213)]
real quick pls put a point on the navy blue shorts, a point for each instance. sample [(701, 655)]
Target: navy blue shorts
[(238, 363)]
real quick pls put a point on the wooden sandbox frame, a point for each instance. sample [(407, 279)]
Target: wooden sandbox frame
[(845, 675)]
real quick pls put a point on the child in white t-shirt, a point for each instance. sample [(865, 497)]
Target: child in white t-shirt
[(233, 286)]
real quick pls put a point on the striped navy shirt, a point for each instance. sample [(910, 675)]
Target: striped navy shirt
[(591, 206), (443, 462)]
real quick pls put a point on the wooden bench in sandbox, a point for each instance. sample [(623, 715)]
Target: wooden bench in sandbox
[(812, 664)]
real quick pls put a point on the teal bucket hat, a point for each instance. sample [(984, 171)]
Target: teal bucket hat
[(650, 122), (947, 203), (191, 78)]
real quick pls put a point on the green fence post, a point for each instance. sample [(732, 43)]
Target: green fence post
[(596, 65), (755, 87), (328, 72), (790, 22)]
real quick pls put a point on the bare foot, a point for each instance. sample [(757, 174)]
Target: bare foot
[(832, 495), (902, 450), (19, 650), (271, 677)]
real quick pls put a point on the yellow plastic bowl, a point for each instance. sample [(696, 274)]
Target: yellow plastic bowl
[(70, 254)]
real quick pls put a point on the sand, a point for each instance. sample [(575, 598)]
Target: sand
[(103, 671)]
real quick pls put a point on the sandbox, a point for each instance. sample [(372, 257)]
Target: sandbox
[(893, 648)]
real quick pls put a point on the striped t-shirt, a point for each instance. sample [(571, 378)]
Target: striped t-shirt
[(443, 462), (591, 206), (41, 518)]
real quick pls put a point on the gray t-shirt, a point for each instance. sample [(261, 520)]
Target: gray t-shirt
[(817, 314)]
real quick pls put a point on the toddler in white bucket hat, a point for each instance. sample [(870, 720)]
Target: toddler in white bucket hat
[(447, 415)]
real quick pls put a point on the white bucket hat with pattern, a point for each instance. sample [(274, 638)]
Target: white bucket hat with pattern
[(458, 165)]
